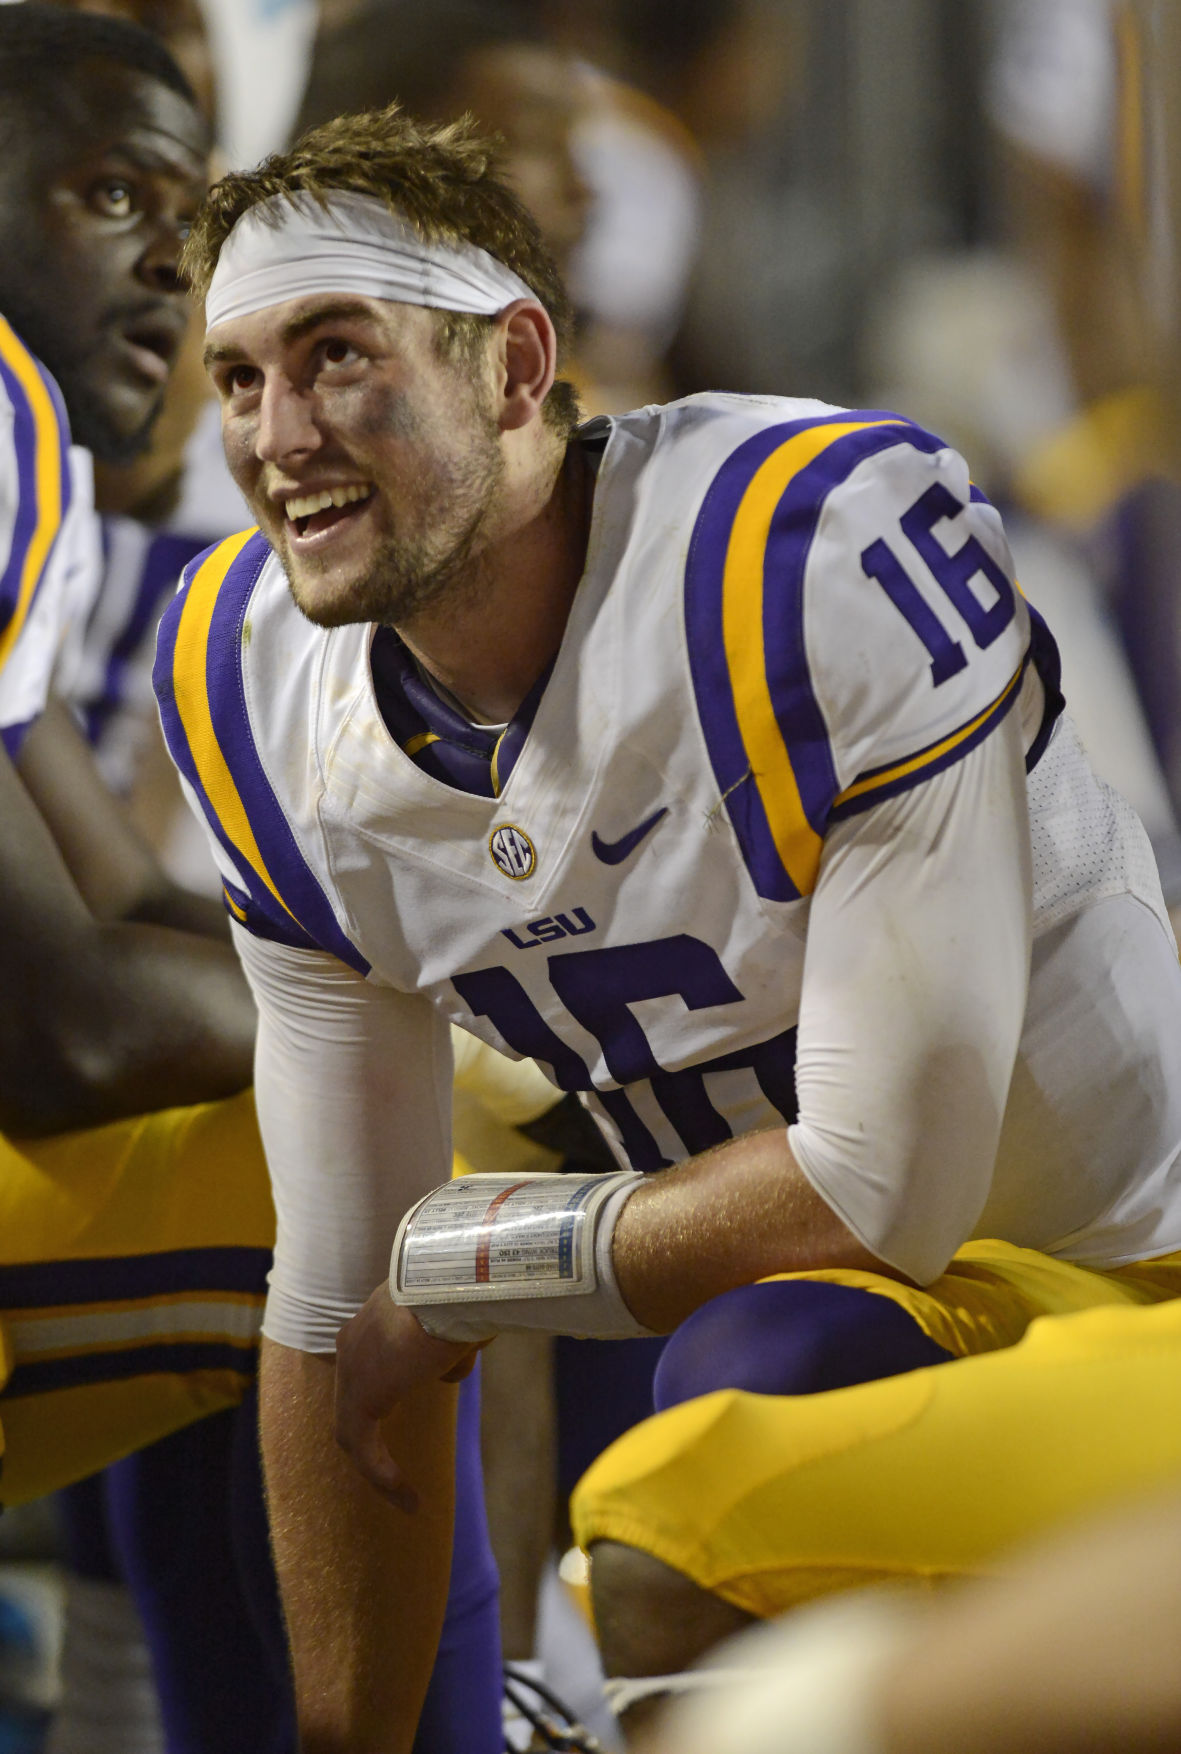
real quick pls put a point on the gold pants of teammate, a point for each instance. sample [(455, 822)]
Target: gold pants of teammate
[(769, 1501), (133, 1262)]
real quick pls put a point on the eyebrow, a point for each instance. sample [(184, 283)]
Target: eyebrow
[(296, 327), (142, 156)]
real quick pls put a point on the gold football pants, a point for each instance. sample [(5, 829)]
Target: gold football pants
[(133, 1262), (769, 1501)]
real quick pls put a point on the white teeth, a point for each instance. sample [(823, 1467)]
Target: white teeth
[(318, 502)]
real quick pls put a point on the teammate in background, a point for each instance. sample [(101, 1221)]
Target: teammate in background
[(139, 1226), (139, 1222), (709, 757), (108, 1016)]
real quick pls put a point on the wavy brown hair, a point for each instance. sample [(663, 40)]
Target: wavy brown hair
[(442, 179)]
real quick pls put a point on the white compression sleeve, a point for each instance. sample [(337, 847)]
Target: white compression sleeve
[(915, 981), (353, 1087)]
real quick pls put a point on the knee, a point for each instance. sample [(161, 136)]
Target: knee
[(790, 1337), (649, 1618)]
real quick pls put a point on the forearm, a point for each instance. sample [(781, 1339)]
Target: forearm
[(733, 1215), (183, 910), (115, 871), (363, 1584), (130, 1019)]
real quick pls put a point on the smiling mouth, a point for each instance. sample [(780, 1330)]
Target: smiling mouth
[(313, 513)]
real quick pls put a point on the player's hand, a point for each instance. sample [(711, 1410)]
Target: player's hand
[(381, 1355)]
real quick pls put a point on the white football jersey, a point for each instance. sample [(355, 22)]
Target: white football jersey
[(789, 615), (49, 539)]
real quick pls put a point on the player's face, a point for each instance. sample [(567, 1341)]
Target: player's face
[(371, 461), (92, 213)]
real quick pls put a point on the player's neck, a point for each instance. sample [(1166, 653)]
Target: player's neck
[(489, 646)]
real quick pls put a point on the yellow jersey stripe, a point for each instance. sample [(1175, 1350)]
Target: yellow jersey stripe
[(927, 757), (47, 473), (192, 706), (796, 841), (239, 913), (494, 771)]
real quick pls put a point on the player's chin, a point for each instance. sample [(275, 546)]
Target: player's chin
[(114, 428), (327, 601)]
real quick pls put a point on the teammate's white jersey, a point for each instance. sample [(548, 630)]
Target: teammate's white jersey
[(796, 625), (49, 539)]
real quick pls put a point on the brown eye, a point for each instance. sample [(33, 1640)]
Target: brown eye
[(113, 197), (337, 352), (241, 377)]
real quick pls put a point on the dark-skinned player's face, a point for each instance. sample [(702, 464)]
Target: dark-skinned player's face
[(94, 204)]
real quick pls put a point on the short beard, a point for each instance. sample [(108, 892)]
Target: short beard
[(406, 579)]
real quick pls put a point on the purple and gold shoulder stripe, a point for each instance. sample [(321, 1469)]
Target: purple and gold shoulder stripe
[(887, 781), (200, 685), (744, 614), (40, 441)]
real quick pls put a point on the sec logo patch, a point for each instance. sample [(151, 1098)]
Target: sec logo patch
[(512, 852)]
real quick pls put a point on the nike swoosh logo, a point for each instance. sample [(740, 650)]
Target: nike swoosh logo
[(614, 852)]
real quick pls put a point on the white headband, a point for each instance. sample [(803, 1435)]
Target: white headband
[(290, 246)]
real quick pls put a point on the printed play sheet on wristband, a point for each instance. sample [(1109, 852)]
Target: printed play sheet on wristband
[(501, 1231)]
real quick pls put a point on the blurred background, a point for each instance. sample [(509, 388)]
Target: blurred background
[(959, 209)]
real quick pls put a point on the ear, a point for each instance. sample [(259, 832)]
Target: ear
[(527, 361)]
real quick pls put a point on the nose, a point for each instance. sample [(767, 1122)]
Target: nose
[(157, 265), (286, 428)]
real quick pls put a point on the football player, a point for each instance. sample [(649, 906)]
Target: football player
[(138, 1218), (123, 1007), (710, 757)]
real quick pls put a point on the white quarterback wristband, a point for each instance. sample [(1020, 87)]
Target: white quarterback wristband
[(484, 1254)]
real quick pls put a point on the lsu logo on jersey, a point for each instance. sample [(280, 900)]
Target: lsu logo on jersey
[(512, 852), (549, 928)]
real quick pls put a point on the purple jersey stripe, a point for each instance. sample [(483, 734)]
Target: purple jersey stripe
[(798, 716), (1043, 649), (905, 782), (106, 1279), (793, 529), (13, 736), (704, 574), (262, 918), (24, 442), (261, 914), (290, 872), (183, 1358), (26, 437), (164, 560), (436, 737), (313, 926), (433, 734)]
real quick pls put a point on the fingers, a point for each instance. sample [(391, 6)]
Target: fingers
[(465, 1366), (372, 1459), (382, 1354), (360, 1433)]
